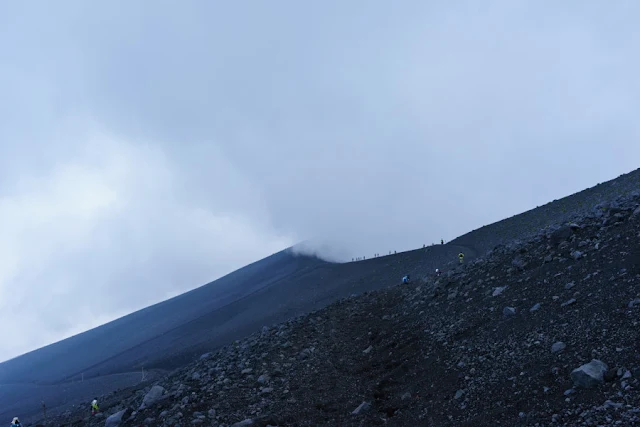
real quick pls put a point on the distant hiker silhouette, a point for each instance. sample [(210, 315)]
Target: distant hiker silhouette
[(461, 257)]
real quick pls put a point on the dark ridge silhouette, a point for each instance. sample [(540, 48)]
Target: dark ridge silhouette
[(171, 334), (76, 355)]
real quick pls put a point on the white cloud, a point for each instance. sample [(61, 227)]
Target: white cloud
[(105, 233), (223, 133)]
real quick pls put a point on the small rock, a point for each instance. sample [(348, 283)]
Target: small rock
[(569, 285), (363, 408), (243, 423), (634, 302), (566, 303), (576, 255), (536, 307), (497, 291), (610, 404), (459, 394), (509, 311), (368, 350), (590, 374), (558, 347)]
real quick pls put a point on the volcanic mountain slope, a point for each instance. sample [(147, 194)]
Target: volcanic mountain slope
[(539, 333), (174, 332)]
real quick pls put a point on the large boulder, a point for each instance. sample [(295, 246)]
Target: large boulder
[(118, 418), (152, 397), (590, 374)]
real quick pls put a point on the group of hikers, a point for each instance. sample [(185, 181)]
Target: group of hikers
[(94, 410), (407, 278)]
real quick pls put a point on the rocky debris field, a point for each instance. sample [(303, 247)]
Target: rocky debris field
[(539, 333)]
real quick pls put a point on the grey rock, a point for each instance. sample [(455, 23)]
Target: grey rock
[(536, 307), (363, 408), (154, 395), (576, 255), (497, 291), (569, 285), (509, 311), (243, 423), (634, 302), (459, 394), (558, 347), (118, 418), (610, 404), (569, 302), (590, 374)]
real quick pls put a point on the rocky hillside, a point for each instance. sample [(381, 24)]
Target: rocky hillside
[(544, 332), (529, 223)]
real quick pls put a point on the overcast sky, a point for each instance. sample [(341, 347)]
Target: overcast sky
[(148, 147)]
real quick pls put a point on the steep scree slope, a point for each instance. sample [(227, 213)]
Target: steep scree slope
[(560, 211), (497, 342), (201, 323)]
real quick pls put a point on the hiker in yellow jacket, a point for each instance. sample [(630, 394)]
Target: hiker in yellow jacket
[(94, 406)]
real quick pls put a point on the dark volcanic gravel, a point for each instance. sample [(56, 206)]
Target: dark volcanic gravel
[(499, 341)]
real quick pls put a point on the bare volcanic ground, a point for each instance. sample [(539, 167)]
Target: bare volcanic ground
[(540, 333)]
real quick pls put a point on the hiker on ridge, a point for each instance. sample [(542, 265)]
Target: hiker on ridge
[(94, 406), (461, 257), (16, 422)]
